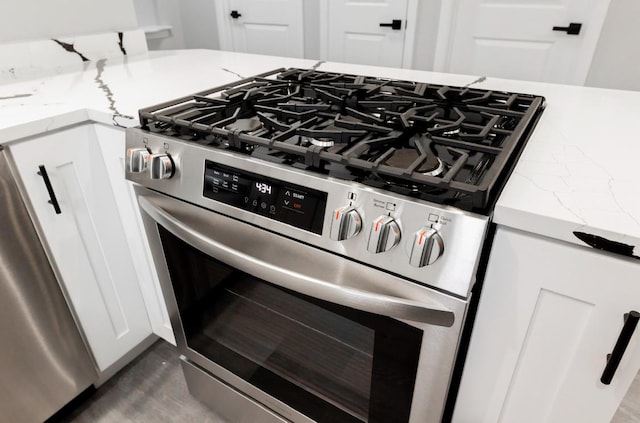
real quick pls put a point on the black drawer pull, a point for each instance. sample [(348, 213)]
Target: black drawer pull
[(572, 29), (613, 359), (234, 14), (395, 24), (52, 195)]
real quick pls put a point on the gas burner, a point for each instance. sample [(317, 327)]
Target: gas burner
[(452, 132), (320, 142), (433, 166), (456, 145), (245, 125), (407, 158)]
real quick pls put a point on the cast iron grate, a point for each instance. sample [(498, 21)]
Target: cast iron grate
[(451, 145)]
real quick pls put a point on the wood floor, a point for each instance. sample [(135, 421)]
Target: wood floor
[(629, 411), (152, 389)]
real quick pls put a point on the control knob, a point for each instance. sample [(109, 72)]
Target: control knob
[(345, 223), (162, 166), (426, 247), (384, 234), (137, 159)]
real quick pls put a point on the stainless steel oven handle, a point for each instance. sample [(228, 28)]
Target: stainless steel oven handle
[(426, 311)]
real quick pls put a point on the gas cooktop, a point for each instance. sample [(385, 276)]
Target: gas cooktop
[(449, 145)]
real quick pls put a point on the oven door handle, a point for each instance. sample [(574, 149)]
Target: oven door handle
[(428, 310)]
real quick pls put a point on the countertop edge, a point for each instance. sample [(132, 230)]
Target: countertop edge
[(20, 132), (568, 231)]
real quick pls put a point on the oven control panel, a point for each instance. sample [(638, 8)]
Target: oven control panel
[(433, 244), (295, 205)]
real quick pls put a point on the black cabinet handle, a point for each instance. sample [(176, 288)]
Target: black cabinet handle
[(572, 29), (234, 14), (395, 24), (52, 195), (613, 359)]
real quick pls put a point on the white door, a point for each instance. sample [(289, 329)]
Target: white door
[(272, 27), (516, 39), (86, 239), (355, 34)]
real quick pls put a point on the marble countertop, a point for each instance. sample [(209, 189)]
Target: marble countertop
[(577, 174)]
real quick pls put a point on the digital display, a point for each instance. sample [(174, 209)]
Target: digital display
[(295, 205), (263, 188)]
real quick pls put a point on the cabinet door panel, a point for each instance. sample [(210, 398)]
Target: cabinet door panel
[(86, 240), (549, 314), (88, 254), (112, 145), (551, 343)]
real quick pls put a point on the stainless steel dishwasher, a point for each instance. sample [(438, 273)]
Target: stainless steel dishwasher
[(43, 361)]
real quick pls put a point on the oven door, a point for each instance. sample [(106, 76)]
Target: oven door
[(308, 334)]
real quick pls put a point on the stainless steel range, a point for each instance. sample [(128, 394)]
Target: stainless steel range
[(318, 237)]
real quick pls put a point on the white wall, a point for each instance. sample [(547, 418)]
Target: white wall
[(164, 12), (311, 18), (616, 62), (199, 24), (37, 19), (193, 23), (424, 47)]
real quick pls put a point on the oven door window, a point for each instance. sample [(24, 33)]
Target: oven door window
[(329, 362)]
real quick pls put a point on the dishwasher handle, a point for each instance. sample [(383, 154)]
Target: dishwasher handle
[(430, 311)]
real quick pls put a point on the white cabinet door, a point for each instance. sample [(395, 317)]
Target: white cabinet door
[(549, 314), (515, 39), (272, 27), (86, 239), (354, 34), (112, 145)]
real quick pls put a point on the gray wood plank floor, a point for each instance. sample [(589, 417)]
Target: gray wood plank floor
[(629, 411), (150, 389)]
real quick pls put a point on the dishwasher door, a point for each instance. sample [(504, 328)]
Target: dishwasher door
[(43, 361)]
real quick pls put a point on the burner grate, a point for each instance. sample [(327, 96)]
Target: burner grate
[(447, 144)]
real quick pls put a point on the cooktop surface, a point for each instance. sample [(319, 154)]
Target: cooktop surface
[(449, 145)]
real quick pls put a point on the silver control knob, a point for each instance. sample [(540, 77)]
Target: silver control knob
[(426, 247), (384, 234), (161, 166), (345, 223), (137, 159)]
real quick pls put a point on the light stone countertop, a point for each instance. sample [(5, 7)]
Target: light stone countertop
[(578, 173)]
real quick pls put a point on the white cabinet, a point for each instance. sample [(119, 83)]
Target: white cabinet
[(549, 314), (112, 145), (86, 240)]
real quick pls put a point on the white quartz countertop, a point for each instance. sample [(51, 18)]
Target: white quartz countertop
[(578, 173)]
